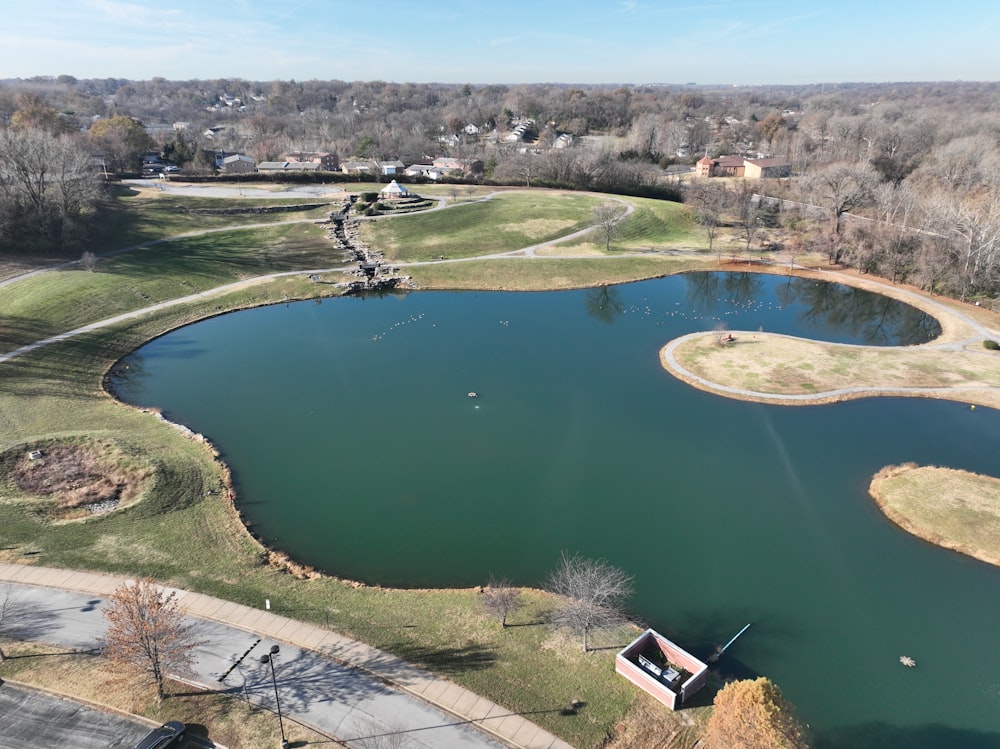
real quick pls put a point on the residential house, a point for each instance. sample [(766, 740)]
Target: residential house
[(288, 167), (358, 167), (238, 163), (767, 168), (391, 167), (328, 162), (738, 166), (426, 171)]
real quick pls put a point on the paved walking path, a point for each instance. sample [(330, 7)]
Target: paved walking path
[(332, 683)]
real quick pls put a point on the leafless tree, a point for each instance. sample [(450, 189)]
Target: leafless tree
[(841, 187), (708, 201), (146, 631), (607, 217), (746, 212), (501, 599), (89, 261), (592, 595)]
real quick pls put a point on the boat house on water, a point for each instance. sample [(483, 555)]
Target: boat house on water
[(661, 668)]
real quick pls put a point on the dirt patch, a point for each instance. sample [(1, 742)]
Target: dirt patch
[(78, 479)]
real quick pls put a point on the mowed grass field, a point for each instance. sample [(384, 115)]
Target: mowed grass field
[(506, 222), (183, 531), (519, 219), (64, 299)]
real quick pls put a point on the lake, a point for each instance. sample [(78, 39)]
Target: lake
[(355, 448)]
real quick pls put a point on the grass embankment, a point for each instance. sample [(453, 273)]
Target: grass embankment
[(766, 364), (182, 530), (514, 220), (64, 299), (146, 215), (954, 509), (505, 223)]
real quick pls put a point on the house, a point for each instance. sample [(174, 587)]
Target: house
[(449, 164), (393, 191), (767, 168), (738, 166), (328, 162), (358, 167), (426, 171), (238, 163), (661, 668), (563, 140), (390, 167), (287, 167)]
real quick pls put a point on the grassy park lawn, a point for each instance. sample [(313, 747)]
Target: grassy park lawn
[(782, 365), (955, 509), (181, 528), (65, 299), (509, 221)]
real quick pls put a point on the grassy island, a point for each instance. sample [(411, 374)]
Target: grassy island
[(954, 509)]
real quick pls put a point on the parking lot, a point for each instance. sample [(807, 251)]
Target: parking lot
[(33, 718)]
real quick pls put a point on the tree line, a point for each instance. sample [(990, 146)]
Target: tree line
[(906, 175)]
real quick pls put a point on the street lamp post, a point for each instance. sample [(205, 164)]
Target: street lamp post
[(269, 658)]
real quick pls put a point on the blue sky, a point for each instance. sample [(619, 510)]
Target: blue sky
[(505, 41)]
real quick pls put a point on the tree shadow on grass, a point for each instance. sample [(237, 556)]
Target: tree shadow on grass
[(446, 660)]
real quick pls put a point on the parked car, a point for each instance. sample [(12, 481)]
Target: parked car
[(169, 734), (171, 168)]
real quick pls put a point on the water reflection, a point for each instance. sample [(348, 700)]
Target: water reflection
[(835, 312), (604, 303)]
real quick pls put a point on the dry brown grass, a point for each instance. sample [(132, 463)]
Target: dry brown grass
[(781, 365), (954, 509), (651, 725), (73, 477)]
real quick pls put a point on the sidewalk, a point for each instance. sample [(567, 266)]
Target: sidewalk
[(510, 728)]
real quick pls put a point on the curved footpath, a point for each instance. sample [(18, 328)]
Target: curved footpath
[(330, 683)]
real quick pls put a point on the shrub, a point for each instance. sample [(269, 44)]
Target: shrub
[(991, 345)]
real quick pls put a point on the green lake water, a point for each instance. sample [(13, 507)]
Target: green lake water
[(356, 449)]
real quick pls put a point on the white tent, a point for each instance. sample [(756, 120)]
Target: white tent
[(393, 190)]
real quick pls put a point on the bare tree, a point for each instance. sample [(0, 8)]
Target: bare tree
[(89, 261), (746, 211), (146, 630), (607, 218), (592, 595), (708, 201), (501, 599), (841, 187)]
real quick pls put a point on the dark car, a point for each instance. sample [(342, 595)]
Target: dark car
[(169, 734)]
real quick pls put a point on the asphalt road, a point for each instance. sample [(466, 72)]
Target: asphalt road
[(338, 700)]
